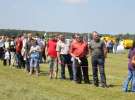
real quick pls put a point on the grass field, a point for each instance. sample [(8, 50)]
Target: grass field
[(15, 84)]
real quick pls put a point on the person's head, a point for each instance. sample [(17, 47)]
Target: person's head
[(79, 38), (29, 35), (2, 37), (95, 36), (34, 42), (7, 38), (25, 35), (61, 37), (19, 36), (54, 37), (74, 36)]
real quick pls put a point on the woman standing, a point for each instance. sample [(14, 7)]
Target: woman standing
[(34, 57), (131, 71)]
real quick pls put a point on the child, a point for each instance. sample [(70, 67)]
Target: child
[(34, 57), (131, 71), (6, 57), (12, 52)]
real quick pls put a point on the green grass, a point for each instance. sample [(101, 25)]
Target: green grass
[(17, 85)]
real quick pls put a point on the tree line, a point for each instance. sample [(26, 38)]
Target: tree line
[(14, 32)]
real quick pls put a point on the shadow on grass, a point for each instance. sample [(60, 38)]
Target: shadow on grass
[(113, 85), (43, 73)]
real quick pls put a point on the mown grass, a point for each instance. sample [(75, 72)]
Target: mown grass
[(15, 84)]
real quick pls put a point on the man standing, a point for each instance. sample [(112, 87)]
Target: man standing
[(98, 54), (52, 57), (27, 43), (79, 51), (18, 47), (64, 56)]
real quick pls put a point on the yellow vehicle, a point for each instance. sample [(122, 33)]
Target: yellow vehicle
[(128, 43), (108, 38)]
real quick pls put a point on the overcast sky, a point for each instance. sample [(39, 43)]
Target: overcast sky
[(113, 16)]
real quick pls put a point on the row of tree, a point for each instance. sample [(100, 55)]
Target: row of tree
[(68, 35)]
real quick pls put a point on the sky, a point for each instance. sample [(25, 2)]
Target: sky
[(104, 16)]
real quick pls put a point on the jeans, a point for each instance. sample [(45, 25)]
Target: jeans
[(27, 64), (130, 78), (98, 62), (74, 69), (34, 62), (19, 60), (78, 69), (40, 57)]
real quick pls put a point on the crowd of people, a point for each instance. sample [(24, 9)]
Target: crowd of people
[(27, 52), (24, 51)]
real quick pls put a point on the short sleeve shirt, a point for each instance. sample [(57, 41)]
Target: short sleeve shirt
[(62, 47), (79, 49), (19, 45), (7, 44), (97, 48), (130, 55), (52, 48), (34, 54), (1, 43)]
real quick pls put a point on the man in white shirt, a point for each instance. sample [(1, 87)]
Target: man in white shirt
[(64, 57), (7, 43)]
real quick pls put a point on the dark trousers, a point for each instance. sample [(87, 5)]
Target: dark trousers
[(66, 59), (1, 53), (98, 62), (20, 61), (27, 65), (44, 56), (5, 62), (81, 70)]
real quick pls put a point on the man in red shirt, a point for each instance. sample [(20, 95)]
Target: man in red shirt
[(18, 47), (79, 51), (52, 57)]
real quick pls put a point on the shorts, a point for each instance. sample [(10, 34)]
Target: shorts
[(53, 62)]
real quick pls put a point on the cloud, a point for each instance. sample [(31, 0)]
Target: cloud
[(75, 1)]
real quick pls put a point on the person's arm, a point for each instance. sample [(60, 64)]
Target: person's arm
[(87, 50), (30, 50), (38, 49), (58, 49), (46, 49), (105, 50), (71, 49), (90, 49), (58, 56)]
